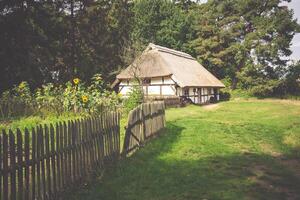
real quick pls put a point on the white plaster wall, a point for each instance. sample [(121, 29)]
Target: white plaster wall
[(168, 80), (153, 90), (168, 90), (156, 81)]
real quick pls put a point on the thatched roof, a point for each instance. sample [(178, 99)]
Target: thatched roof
[(159, 61)]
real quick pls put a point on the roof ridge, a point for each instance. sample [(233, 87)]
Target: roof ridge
[(171, 51)]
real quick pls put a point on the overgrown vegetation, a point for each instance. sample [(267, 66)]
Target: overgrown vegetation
[(50, 99), (135, 98), (237, 150)]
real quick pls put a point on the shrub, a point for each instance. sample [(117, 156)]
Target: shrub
[(134, 99), (49, 99), (17, 101)]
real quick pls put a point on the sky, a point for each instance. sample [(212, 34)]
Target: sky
[(295, 5)]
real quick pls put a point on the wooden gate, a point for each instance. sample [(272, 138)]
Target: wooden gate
[(144, 122)]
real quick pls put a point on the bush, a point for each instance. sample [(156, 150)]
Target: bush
[(18, 101), (224, 95), (134, 99)]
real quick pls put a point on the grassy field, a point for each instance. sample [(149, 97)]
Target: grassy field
[(232, 150), (32, 121)]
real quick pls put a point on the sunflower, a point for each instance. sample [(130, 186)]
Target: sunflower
[(76, 81), (98, 78), (84, 98)]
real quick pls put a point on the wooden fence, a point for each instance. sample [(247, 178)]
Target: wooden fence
[(42, 163), (144, 122)]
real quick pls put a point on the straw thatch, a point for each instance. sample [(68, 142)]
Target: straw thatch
[(157, 61)]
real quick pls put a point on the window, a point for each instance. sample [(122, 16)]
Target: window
[(186, 92), (147, 81)]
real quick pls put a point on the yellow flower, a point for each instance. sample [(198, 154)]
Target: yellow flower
[(22, 85), (76, 81), (120, 95), (84, 98)]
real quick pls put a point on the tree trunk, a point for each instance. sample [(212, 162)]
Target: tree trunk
[(234, 83)]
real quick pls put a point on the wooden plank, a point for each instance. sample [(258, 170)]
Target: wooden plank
[(73, 150), (27, 164), (1, 166), (101, 141), (34, 163), (38, 165), (12, 153), (48, 168), (83, 144), (5, 164), (65, 157), (58, 155), (89, 145), (80, 146), (19, 166), (69, 146), (43, 168), (53, 163), (77, 147), (62, 153)]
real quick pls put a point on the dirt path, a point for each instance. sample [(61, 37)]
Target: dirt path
[(211, 106)]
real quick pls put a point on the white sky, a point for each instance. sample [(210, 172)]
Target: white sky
[(295, 5)]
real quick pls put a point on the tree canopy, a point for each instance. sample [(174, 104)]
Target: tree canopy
[(245, 42)]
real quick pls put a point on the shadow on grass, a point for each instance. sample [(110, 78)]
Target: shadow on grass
[(151, 174)]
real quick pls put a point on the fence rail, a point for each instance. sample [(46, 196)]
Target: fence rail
[(144, 122), (42, 163)]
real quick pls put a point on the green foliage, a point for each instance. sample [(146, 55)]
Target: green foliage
[(244, 37), (52, 42), (50, 99), (17, 101), (292, 80), (135, 98), (160, 22)]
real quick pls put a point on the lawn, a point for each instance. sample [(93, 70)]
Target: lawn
[(33, 121), (233, 150)]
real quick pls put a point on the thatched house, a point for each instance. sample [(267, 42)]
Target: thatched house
[(166, 72)]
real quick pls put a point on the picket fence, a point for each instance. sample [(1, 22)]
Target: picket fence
[(144, 122), (43, 162)]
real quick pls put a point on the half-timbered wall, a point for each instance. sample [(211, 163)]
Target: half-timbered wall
[(159, 86), (166, 86), (198, 95)]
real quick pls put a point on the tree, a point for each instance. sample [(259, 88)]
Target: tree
[(46, 41), (160, 22), (237, 38), (292, 79), (29, 41)]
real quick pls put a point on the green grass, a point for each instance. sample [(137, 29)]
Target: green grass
[(239, 150), (32, 121)]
